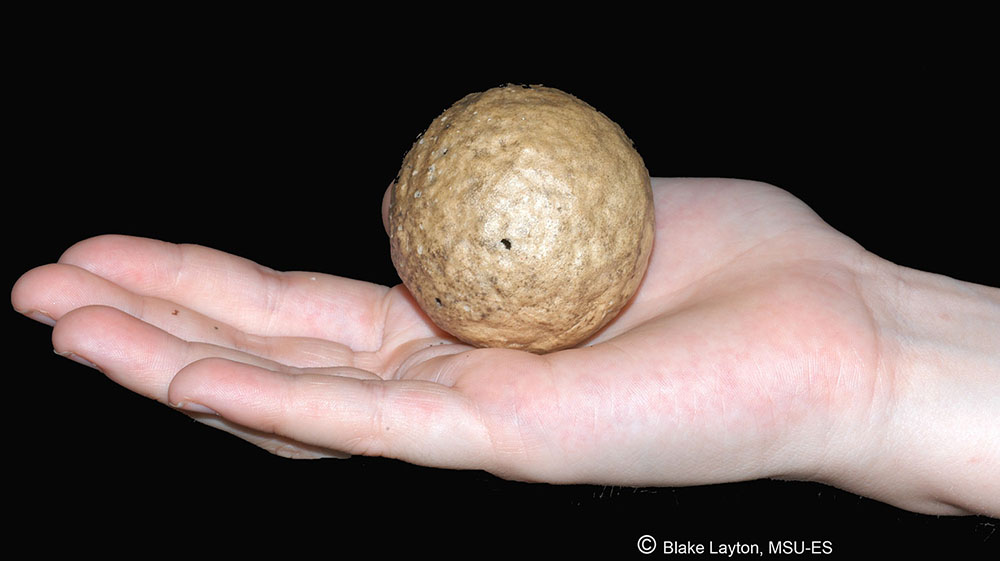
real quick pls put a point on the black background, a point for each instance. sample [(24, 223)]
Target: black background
[(274, 138)]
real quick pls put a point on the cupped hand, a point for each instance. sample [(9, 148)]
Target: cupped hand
[(749, 351)]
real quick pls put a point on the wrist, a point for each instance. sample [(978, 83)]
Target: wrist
[(931, 441)]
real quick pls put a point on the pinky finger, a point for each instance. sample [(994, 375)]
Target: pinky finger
[(415, 421)]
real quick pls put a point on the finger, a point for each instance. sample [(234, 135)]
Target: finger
[(57, 289), (274, 444), (144, 358), (386, 198), (54, 290), (416, 421), (243, 294)]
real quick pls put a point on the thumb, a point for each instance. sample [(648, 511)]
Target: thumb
[(350, 410)]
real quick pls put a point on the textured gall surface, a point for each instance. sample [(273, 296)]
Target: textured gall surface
[(521, 218)]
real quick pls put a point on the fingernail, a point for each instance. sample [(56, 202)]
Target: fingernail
[(77, 358), (193, 407), (40, 317), (336, 454)]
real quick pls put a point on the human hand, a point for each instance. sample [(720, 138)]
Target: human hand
[(757, 346)]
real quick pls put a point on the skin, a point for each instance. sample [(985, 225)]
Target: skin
[(761, 344)]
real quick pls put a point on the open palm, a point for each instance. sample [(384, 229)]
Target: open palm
[(747, 350)]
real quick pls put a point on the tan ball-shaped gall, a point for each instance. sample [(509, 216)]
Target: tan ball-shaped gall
[(521, 218)]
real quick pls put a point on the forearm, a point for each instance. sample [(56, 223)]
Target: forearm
[(940, 345)]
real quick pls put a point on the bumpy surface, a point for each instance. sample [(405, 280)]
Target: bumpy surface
[(521, 218)]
